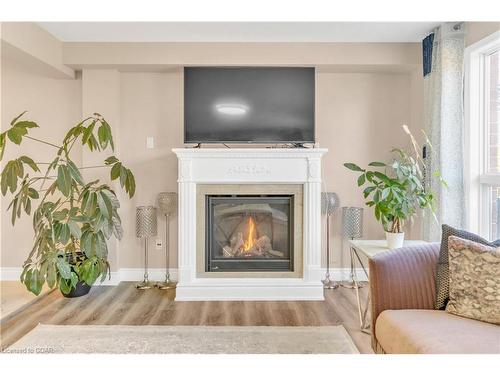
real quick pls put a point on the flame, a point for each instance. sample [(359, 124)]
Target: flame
[(251, 235)]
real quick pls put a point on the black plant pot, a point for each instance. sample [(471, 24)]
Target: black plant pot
[(81, 287), (79, 290)]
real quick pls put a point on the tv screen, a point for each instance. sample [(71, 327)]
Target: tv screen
[(248, 105)]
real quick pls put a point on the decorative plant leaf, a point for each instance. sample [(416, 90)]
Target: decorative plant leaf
[(27, 206), (2, 145), (26, 124), (353, 167), (123, 176), (74, 228), (65, 233), (115, 171), (131, 183), (368, 190), (111, 160), (104, 205), (117, 227), (101, 246), (385, 193), (74, 279), (14, 210), (361, 180), (86, 243), (17, 118), (87, 133), (110, 135), (103, 137), (64, 268), (64, 180), (75, 173), (112, 197), (376, 164), (36, 282), (64, 285), (33, 193), (16, 134), (60, 215), (91, 205), (51, 276)]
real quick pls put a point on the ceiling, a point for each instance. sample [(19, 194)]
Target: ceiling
[(388, 32)]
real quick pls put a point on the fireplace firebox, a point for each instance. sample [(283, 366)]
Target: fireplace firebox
[(249, 233)]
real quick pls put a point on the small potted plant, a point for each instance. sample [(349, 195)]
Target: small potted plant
[(73, 219), (396, 190)]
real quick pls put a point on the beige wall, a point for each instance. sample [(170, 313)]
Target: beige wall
[(55, 104), (479, 30), (150, 106), (359, 113), (162, 56), (359, 117), (35, 48)]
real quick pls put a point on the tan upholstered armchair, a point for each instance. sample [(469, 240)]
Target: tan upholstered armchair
[(402, 279), (402, 286)]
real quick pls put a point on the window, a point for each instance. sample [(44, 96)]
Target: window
[(482, 136)]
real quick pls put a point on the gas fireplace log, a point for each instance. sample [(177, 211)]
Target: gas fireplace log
[(227, 252), (276, 253), (260, 248), (263, 243)]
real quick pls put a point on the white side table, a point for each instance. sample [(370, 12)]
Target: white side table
[(367, 248)]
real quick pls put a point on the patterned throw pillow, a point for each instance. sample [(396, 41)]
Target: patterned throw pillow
[(474, 280), (443, 276)]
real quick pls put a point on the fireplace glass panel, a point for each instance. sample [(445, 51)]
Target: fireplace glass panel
[(249, 233)]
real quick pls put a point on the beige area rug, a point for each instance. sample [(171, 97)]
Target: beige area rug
[(185, 340)]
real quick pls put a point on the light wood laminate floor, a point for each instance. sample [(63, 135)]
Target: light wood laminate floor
[(125, 305)]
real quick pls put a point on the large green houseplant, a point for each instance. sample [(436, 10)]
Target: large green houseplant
[(396, 190), (73, 218)]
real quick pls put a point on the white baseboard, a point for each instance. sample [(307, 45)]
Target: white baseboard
[(10, 273), (158, 274), (137, 274)]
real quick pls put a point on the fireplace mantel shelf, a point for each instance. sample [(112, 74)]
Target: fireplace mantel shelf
[(244, 152), (267, 166)]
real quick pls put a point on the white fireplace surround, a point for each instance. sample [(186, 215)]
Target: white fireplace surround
[(249, 166)]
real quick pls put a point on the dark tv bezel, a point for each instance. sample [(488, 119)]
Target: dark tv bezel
[(248, 142)]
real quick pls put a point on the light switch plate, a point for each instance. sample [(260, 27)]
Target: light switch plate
[(150, 142), (159, 244)]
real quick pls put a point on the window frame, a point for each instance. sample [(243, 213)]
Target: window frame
[(478, 180)]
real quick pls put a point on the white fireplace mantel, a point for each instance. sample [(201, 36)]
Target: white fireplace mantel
[(249, 166)]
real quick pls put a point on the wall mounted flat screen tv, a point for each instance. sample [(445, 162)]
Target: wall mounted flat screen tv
[(249, 105)]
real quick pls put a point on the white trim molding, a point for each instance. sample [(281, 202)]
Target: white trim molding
[(475, 136)]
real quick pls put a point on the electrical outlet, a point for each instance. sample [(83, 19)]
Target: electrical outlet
[(159, 244), (150, 142)]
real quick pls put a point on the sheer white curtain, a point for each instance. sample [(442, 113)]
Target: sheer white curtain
[(443, 121)]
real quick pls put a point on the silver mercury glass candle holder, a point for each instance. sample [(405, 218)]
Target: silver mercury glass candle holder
[(352, 228), (145, 226), (167, 203), (329, 204)]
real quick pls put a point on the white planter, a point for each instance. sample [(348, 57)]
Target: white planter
[(394, 240)]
